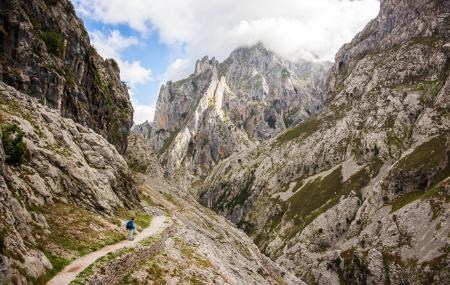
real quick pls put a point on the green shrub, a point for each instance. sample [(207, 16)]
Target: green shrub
[(15, 148), (54, 42)]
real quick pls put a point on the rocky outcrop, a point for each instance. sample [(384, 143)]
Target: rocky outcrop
[(202, 247), (226, 107), (66, 163), (358, 193), (141, 157), (45, 53)]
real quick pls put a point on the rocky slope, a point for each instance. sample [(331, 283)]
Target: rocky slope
[(202, 247), (226, 107), (359, 193), (72, 192), (45, 53), (61, 200)]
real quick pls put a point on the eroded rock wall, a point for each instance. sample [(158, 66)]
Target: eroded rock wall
[(45, 53), (227, 107), (66, 163), (358, 193)]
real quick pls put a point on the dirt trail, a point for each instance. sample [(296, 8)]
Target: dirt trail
[(70, 272)]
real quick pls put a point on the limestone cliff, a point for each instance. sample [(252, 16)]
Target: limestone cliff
[(49, 200), (226, 107), (45, 53), (358, 193), (72, 192)]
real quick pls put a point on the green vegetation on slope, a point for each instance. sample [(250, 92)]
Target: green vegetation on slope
[(431, 160), (167, 142), (54, 42), (142, 220), (58, 263), (425, 157), (76, 230), (305, 129), (13, 145), (313, 199), (319, 195)]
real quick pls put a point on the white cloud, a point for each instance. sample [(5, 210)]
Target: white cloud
[(292, 28), (178, 69), (142, 112), (134, 72), (110, 46)]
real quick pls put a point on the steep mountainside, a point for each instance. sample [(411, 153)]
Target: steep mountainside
[(51, 200), (71, 195), (203, 247), (227, 107), (359, 193), (45, 53)]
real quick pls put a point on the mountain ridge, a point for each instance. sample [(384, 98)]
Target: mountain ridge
[(226, 107), (373, 162)]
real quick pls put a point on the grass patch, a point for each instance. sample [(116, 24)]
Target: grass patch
[(156, 273), (58, 263), (189, 253), (312, 199), (54, 42), (424, 157), (319, 195), (148, 241), (438, 192), (304, 129), (78, 230), (405, 200), (85, 274), (167, 142), (142, 220)]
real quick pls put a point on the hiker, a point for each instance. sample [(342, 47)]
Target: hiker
[(130, 227)]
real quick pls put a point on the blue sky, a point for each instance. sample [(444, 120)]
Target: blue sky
[(149, 51), (158, 40)]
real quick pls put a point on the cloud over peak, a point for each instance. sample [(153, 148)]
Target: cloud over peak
[(292, 28)]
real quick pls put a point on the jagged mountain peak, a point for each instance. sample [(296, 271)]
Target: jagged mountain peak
[(226, 107), (205, 64), (255, 49), (350, 195), (256, 55)]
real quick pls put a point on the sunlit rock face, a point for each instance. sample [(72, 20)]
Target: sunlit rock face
[(226, 107), (359, 192)]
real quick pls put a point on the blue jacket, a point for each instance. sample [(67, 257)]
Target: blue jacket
[(131, 224)]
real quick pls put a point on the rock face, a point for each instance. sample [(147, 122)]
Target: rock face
[(358, 193), (202, 247), (230, 106), (45, 53), (66, 163)]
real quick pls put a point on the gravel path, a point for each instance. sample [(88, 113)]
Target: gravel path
[(70, 272)]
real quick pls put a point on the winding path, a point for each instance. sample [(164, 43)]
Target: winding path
[(70, 272)]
